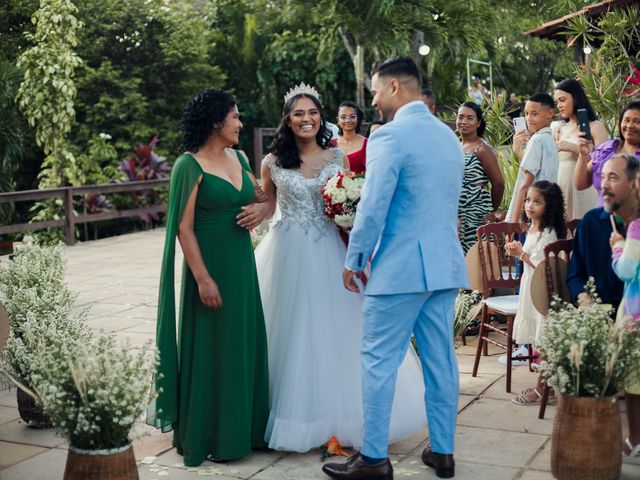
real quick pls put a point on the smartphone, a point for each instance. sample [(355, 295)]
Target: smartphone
[(583, 122), (519, 124)]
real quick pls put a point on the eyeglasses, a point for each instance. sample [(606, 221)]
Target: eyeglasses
[(353, 116), (468, 118)]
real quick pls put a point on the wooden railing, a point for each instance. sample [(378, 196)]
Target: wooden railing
[(70, 217)]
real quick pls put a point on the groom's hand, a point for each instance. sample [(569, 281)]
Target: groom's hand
[(348, 280)]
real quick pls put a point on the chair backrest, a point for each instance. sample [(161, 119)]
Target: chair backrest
[(498, 269), (556, 260), (494, 217), (571, 227)]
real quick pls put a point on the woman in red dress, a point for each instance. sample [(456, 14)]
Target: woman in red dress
[(350, 118)]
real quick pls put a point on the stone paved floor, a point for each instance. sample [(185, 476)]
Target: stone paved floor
[(118, 277)]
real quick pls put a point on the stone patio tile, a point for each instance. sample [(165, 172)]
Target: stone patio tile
[(542, 459), (8, 413), (17, 431), (147, 326), (8, 397), (536, 475), (242, 468), (464, 401), (135, 339), (475, 385), (630, 471), (521, 378), (96, 295), (488, 365), (154, 472), (493, 447), (504, 415), (151, 444), (11, 453), (113, 323), (142, 311), (406, 446), (108, 309), (412, 467), (48, 465)]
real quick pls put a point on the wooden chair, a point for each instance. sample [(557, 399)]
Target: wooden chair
[(556, 259), (498, 271), (571, 227), (494, 217)]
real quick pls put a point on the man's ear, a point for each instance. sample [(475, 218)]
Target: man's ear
[(394, 85)]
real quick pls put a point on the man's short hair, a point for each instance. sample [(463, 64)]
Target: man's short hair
[(427, 92), (632, 168), (543, 99), (400, 66)]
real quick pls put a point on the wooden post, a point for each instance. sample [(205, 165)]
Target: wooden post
[(68, 216)]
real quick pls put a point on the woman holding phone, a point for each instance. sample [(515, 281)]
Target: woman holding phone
[(571, 97), (591, 160)]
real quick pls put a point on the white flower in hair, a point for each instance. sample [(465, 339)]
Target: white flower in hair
[(302, 88)]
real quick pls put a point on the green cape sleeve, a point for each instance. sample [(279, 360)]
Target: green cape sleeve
[(163, 411)]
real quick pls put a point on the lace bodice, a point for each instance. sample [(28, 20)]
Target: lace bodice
[(299, 198)]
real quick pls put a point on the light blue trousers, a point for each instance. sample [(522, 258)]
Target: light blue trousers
[(388, 322)]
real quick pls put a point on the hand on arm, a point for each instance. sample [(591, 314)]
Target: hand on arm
[(208, 289), (255, 213), (489, 161)]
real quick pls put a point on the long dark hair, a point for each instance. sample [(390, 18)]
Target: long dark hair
[(478, 111), (635, 105), (580, 99), (201, 114), (553, 215), (284, 146), (357, 109)]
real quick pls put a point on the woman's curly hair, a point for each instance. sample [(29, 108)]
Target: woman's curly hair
[(201, 115), (554, 212), (284, 146)]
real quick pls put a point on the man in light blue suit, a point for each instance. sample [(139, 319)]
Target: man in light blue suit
[(407, 223)]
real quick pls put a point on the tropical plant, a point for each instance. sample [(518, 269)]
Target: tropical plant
[(467, 307), (586, 353)]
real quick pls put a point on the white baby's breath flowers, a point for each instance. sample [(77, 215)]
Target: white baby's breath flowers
[(344, 221)]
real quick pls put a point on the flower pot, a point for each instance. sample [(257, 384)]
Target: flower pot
[(114, 464), (587, 439), (31, 412)]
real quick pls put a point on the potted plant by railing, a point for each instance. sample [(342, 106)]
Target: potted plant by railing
[(587, 356), (33, 292), (93, 392)]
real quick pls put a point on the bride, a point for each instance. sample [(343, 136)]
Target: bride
[(313, 324)]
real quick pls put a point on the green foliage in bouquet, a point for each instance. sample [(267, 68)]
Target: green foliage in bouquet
[(466, 309), (587, 353), (40, 307), (94, 391)]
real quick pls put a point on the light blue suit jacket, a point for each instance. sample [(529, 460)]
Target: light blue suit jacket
[(408, 213)]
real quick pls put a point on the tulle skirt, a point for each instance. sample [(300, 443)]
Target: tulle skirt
[(314, 329)]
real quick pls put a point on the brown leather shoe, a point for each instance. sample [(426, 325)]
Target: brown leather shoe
[(444, 464), (356, 469)]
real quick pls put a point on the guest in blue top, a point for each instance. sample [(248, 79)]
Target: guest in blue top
[(591, 249)]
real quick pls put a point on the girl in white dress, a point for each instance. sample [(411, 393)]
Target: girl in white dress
[(544, 208), (313, 324)]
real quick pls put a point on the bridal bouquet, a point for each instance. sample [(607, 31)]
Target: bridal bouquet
[(341, 196)]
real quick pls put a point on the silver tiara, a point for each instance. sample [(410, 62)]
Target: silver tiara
[(302, 88)]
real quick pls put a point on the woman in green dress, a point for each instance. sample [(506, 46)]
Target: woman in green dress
[(212, 377)]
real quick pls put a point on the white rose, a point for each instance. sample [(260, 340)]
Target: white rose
[(358, 181), (353, 193), (347, 182), (329, 190), (344, 221), (339, 196)]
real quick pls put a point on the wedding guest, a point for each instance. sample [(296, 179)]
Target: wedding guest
[(350, 118), (540, 157), (591, 160), (626, 264), (477, 90), (591, 256), (429, 99), (373, 126), (514, 106), (571, 97), (544, 209), (481, 169), (213, 371)]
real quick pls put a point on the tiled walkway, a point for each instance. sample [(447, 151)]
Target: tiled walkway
[(118, 278)]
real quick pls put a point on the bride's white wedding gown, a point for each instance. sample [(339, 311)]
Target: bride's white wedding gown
[(314, 327)]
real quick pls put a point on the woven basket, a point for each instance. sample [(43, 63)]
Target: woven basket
[(586, 442), (116, 464), (30, 412)]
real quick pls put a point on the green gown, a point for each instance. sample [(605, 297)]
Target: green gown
[(213, 382)]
